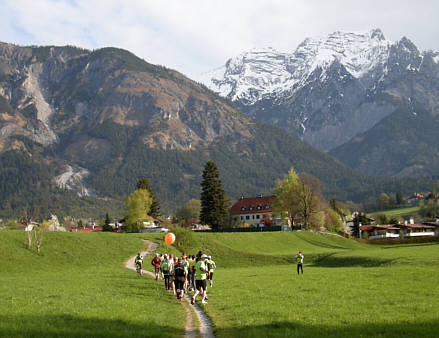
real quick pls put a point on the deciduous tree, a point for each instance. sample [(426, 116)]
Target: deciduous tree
[(190, 211), (287, 198), (137, 207)]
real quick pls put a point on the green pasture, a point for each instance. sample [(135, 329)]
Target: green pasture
[(78, 287), (401, 212), (348, 289)]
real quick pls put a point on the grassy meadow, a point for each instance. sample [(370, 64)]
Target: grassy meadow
[(347, 289), (398, 212), (78, 286)]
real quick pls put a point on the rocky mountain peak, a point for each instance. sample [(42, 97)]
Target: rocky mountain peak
[(256, 74), (331, 88)]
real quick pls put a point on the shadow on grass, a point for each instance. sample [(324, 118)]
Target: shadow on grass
[(320, 244), (74, 326), (293, 329), (333, 261)]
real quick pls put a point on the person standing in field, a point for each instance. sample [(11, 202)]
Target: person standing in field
[(200, 279), (299, 260), (212, 266)]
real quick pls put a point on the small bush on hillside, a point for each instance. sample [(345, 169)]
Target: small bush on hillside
[(184, 238)]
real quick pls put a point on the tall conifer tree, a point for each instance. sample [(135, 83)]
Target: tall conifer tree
[(213, 198), (154, 210)]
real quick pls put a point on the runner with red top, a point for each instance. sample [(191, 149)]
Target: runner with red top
[(156, 262)]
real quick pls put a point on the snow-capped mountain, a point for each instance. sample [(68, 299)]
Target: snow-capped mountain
[(329, 89), (256, 74)]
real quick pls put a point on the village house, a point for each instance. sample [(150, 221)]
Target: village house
[(394, 231), (379, 231), (435, 225), (92, 228), (417, 230), (255, 211)]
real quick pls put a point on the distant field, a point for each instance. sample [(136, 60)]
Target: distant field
[(402, 212)]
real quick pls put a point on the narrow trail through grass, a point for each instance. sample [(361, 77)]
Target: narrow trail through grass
[(348, 289), (191, 330)]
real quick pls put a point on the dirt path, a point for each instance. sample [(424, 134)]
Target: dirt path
[(205, 326)]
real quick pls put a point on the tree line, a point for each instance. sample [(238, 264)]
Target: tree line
[(299, 201)]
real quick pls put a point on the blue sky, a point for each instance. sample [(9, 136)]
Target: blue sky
[(193, 36)]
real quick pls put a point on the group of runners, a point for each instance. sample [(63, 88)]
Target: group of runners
[(184, 274)]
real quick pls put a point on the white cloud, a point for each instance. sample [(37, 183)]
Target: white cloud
[(195, 35)]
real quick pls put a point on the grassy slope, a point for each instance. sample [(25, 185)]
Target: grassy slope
[(401, 212), (78, 286), (348, 289)]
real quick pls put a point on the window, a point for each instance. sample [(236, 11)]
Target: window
[(258, 216), (243, 209), (253, 216), (267, 206), (259, 207), (247, 217), (251, 207), (242, 218)]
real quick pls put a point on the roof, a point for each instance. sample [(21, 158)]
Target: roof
[(253, 205), (418, 226), (433, 224), (86, 229), (382, 227), (395, 227)]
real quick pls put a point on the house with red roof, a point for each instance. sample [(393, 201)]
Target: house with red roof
[(255, 211), (87, 229)]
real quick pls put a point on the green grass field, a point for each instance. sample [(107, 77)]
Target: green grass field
[(348, 288), (79, 286), (401, 212)]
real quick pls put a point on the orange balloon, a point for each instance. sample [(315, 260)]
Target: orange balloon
[(169, 238)]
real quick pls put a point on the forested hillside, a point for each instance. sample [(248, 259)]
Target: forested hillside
[(78, 129)]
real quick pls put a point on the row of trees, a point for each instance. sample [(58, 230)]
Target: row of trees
[(386, 201), (429, 208), (299, 200)]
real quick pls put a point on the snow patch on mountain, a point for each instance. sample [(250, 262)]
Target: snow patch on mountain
[(253, 75)]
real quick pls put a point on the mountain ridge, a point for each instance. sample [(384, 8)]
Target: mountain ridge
[(97, 121), (330, 90)]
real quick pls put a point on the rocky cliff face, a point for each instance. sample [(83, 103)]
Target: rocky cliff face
[(96, 122), (330, 89), (53, 89), (70, 99)]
